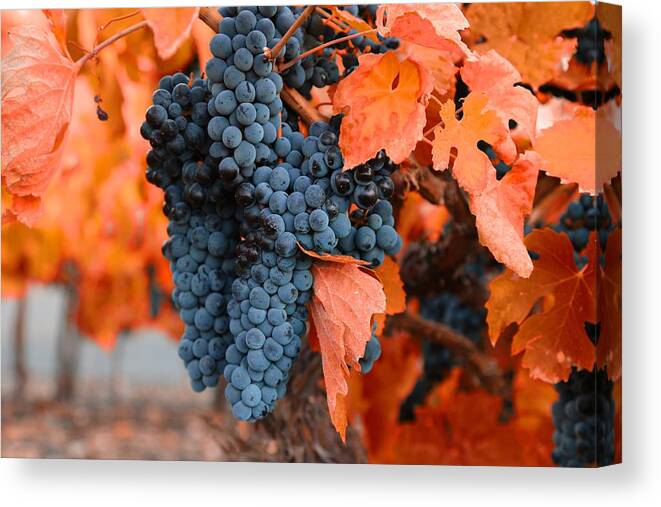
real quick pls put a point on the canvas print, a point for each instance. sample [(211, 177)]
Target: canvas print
[(313, 233)]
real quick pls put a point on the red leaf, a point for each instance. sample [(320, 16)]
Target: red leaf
[(500, 213), (472, 167), (554, 338), (384, 105), (571, 152), (37, 97), (434, 26), (171, 27), (345, 298), (495, 76)]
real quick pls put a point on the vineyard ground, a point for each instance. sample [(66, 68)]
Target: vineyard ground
[(157, 426)]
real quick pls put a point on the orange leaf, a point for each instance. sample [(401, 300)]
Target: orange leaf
[(58, 23), (527, 34), (25, 208), (609, 346), (431, 25), (384, 104), (500, 212), (571, 152), (441, 67), (171, 27), (37, 97), (393, 286), (553, 339), (495, 76), (466, 431), (420, 219), (345, 298), (472, 167)]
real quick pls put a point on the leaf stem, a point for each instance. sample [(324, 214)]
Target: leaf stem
[(323, 46), (110, 40)]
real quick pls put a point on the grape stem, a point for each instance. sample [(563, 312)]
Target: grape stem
[(323, 46), (485, 368), (110, 40), (272, 53)]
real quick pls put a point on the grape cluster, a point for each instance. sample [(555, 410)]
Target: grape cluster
[(203, 228), (583, 417), (242, 191), (438, 360), (584, 215)]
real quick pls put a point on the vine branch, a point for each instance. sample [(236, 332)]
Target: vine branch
[(485, 367)]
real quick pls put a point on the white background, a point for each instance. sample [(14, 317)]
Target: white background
[(636, 482)]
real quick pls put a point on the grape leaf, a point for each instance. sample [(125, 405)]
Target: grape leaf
[(383, 390), (609, 308), (388, 274), (418, 219), (384, 105), (58, 23), (468, 430), (499, 206), (345, 298), (171, 27), (500, 211), (431, 25), (528, 34), (495, 76), (441, 67), (472, 167), (553, 339), (38, 83), (571, 152)]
